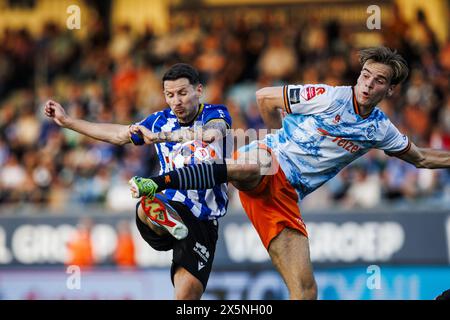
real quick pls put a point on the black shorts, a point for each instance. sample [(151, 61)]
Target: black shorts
[(195, 253)]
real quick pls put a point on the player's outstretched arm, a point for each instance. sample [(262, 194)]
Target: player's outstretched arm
[(112, 133), (211, 131), (270, 101), (427, 158)]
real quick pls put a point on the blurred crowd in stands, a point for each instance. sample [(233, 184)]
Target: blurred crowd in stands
[(117, 79)]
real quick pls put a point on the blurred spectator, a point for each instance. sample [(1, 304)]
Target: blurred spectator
[(125, 78), (118, 195), (314, 40), (420, 34), (395, 31), (444, 56), (365, 191), (27, 127), (253, 117), (79, 246), (13, 179), (211, 60), (277, 60), (122, 42), (4, 152), (444, 115), (420, 91), (124, 254), (400, 179)]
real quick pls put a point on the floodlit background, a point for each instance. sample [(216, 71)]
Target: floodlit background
[(379, 230)]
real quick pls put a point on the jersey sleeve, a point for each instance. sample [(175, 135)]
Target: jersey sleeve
[(394, 142), (307, 99), (219, 112), (148, 122)]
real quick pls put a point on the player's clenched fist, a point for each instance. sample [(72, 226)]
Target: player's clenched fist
[(54, 110)]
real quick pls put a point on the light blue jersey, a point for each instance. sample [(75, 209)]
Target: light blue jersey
[(324, 131), (204, 204)]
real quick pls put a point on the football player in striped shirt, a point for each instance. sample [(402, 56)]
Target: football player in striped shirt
[(185, 221)]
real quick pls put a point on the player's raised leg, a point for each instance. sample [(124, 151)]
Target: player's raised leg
[(271, 204), (250, 166), (245, 173), (187, 286)]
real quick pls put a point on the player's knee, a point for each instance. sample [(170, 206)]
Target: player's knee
[(247, 177), (307, 290), (243, 172), (187, 287), (141, 214), (189, 290), (189, 294)]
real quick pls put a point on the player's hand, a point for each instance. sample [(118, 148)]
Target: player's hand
[(200, 134), (148, 136), (209, 135), (55, 111)]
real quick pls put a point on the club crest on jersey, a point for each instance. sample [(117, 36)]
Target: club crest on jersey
[(310, 92), (370, 132)]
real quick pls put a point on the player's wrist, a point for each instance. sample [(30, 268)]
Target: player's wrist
[(67, 122)]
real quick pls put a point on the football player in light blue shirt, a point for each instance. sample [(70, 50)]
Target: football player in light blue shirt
[(324, 129)]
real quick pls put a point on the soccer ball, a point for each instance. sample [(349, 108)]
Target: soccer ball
[(193, 152)]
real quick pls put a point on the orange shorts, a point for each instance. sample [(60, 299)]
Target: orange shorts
[(273, 206)]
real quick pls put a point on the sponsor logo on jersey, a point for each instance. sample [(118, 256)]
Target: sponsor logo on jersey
[(310, 92), (346, 145), (341, 142), (202, 252)]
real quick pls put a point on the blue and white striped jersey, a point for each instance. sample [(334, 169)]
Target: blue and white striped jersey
[(204, 204), (324, 131)]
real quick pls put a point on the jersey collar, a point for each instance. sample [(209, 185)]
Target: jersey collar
[(190, 123)]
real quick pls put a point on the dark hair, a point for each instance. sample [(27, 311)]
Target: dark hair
[(182, 70), (388, 57)]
